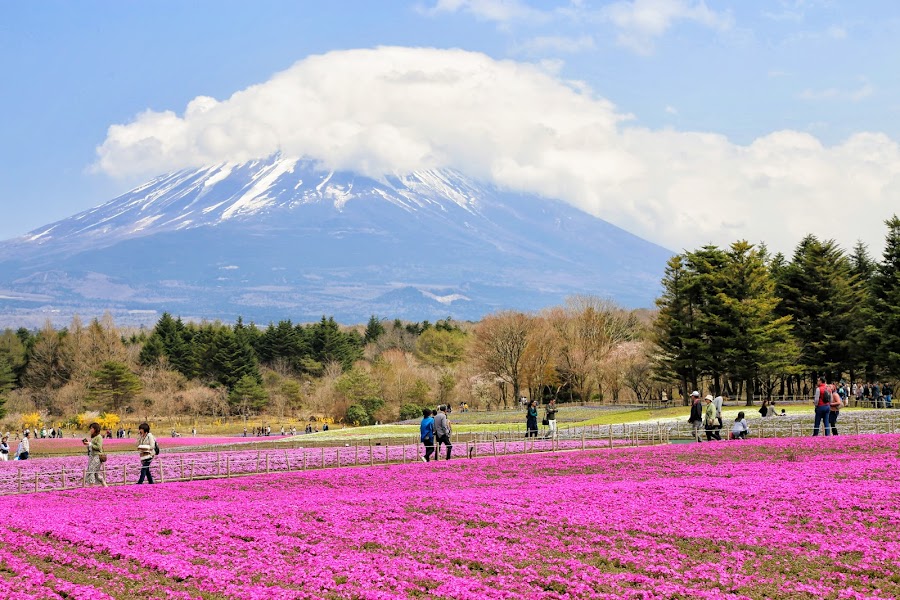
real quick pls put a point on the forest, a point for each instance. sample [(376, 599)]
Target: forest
[(734, 320)]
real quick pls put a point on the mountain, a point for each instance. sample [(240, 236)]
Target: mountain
[(278, 238)]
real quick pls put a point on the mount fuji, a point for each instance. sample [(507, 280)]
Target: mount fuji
[(280, 238)]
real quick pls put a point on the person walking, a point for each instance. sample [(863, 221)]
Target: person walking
[(531, 425), (4, 448), (718, 401), (710, 420), (551, 410), (146, 445), (94, 443), (442, 432), (696, 418), (834, 410), (23, 450), (426, 433), (822, 402)]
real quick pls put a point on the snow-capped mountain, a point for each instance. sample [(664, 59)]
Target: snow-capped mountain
[(279, 238)]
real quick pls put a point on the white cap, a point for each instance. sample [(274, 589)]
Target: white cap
[(695, 393)]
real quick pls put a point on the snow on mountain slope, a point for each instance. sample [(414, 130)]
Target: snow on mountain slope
[(279, 238)]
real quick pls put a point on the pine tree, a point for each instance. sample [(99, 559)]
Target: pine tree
[(886, 296), (374, 329), (114, 386), (758, 342), (675, 330), (823, 298), (247, 396)]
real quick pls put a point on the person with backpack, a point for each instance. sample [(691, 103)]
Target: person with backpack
[(822, 402), (23, 451), (147, 451)]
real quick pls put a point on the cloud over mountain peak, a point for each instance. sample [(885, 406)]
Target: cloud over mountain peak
[(398, 110)]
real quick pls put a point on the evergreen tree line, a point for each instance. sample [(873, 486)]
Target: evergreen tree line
[(750, 323)]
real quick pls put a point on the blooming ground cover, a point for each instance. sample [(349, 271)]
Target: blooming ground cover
[(68, 471), (801, 518)]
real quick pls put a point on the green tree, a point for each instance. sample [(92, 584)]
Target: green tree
[(757, 341), (441, 347), (823, 298), (374, 329), (886, 299), (676, 330), (114, 385), (357, 387), (410, 411), (247, 396), (357, 415)]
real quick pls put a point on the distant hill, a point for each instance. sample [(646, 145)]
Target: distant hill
[(277, 238)]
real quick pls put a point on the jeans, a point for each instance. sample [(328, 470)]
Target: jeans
[(822, 416), (531, 428), (888, 400), (443, 439), (145, 471), (832, 420), (429, 448)]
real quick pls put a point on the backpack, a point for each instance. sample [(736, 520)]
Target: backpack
[(155, 448)]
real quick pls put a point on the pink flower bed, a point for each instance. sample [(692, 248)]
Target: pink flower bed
[(788, 518), (48, 474)]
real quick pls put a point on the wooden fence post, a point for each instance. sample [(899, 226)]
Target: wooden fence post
[(323, 457), (35, 482), (162, 477), (19, 480), (228, 467), (610, 436), (267, 463), (582, 439)]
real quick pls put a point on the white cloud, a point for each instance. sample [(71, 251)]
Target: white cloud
[(499, 11), (555, 44), (865, 90), (671, 110), (388, 110), (641, 21)]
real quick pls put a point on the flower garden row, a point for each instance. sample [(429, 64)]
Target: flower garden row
[(787, 518), (68, 471)]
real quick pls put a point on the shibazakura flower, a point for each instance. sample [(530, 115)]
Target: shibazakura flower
[(785, 518)]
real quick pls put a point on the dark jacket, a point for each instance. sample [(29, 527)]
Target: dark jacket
[(696, 413)]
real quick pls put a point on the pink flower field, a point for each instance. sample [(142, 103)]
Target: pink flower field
[(801, 518)]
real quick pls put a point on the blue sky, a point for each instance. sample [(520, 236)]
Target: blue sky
[(697, 97)]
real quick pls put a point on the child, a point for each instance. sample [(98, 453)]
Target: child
[(740, 430)]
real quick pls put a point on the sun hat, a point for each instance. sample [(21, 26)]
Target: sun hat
[(708, 397)]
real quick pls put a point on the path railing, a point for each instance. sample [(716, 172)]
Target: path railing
[(371, 452)]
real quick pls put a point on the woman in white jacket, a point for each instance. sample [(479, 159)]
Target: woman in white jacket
[(146, 445)]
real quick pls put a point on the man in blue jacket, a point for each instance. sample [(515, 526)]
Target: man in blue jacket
[(426, 433)]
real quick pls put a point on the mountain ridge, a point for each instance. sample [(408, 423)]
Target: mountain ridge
[(280, 238)]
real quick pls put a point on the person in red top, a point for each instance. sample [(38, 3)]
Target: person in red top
[(822, 400)]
